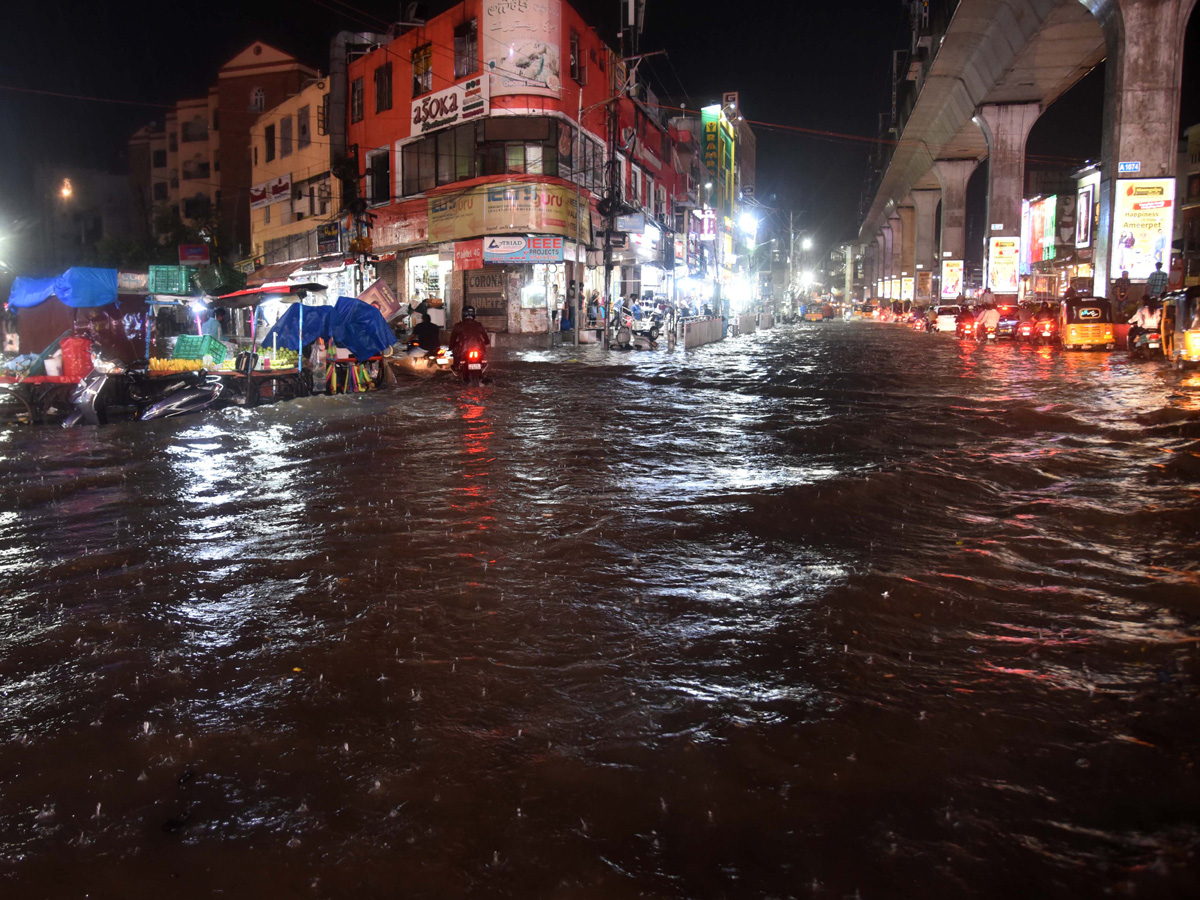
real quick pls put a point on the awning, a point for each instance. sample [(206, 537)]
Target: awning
[(255, 295), (272, 273)]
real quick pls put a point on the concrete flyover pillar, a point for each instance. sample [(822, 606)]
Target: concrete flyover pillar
[(1006, 126), (889, 238), (925, 203), (908, 248), (954, 175), (1143, 74), (869, 267), (897, 226)]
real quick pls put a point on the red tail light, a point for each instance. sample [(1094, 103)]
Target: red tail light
[(472, 354)]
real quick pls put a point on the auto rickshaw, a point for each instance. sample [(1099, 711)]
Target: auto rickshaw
[(1086, 323), (1181, 327)]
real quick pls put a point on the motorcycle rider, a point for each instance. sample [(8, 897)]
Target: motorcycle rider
[(1147, 318), (467, 331), (989, 320), (964, 317), (427, 336)]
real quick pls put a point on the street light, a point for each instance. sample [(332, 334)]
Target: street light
[(66, 190), (807, 243), (748, 223)]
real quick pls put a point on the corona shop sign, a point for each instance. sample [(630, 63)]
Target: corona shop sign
[(506, 208), (459, 103), (506, 249)]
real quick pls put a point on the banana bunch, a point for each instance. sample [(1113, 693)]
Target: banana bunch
[(171, 366)]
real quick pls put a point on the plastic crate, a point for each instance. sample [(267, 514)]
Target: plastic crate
[(197, 346)]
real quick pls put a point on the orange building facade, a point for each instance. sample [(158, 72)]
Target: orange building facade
[(480, 140)]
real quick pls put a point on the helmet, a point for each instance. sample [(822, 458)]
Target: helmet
[(468, 312)]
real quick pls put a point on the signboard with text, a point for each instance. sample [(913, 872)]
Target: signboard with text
[(952, 278), (468, 255), (1084, 201), (507, 249), (193, 254), (457, 103), (1004, 260), (521, 47), (1143, 217), (271, 191), (907, 284), (506, 208)]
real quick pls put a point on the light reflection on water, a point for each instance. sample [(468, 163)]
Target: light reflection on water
[(842, 605)]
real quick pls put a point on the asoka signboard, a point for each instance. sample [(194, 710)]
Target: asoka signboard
[(500, 250), (506, 208), (455, 104), (1004, 261), (521, 46), (1142, 223), (952, 278)]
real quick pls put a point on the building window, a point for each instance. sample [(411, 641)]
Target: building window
[(172, 142), (160, 190), (216, 125), (303, 134), (195, 130), (379, 176), (422, 67), (267, 214), (269, 143), (466, 49), (323, 116), (383, 88), (285, 136), (356, 100), (216, 165), (258, 100), (174, 178), (196, 207), (159, 159), (578, 69)]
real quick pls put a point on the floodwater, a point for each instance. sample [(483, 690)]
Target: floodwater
[(833, 610)]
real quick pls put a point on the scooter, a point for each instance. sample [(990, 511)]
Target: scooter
[(148, 399), (416, 361), (1145, 344)]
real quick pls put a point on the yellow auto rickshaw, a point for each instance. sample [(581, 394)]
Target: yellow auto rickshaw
[(1086, 323), (1181, 327)]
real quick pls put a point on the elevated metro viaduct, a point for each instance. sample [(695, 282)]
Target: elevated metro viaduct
[(998, 65)]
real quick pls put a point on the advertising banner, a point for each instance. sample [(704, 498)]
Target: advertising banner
[(193, 254), (1084, 199), (1142, 223), (505, 249), (521, 46), (458, 103), (952, 278), (328, 237), (509, 208), (709, 120), (893, 289), (906, 287), (380, 296), (468, 255), (271, 191), (924, 285), (1043, 229), (1004, 260)]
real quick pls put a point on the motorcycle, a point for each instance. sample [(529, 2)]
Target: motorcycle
[(621, 337), (471, 364), (965, 331), (132, 390), (416, 361), (1037, 332), (985, 333), (1145, 344)]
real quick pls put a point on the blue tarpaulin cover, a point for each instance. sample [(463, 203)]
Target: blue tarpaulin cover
[(285, 331), (353, 324), (77, 287)]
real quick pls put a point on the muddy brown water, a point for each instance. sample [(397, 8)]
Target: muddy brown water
[(835, 610)]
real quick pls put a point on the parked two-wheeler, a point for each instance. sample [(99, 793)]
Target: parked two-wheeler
[(111, 388)]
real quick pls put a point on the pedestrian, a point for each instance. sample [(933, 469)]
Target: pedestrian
[(1157, 282)]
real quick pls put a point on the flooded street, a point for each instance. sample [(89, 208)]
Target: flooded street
[(830, 610)]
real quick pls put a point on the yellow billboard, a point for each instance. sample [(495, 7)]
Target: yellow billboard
[(1004, 264), (509, 208), (952, 278), (906, 287), (1142, 223)]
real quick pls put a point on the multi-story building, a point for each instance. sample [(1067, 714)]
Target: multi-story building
[(199, 160), (295, 202), (480, 139)]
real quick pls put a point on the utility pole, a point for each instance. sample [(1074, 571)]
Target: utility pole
[(791, 253)]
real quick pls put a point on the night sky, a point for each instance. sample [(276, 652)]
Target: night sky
[(821, 66)]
